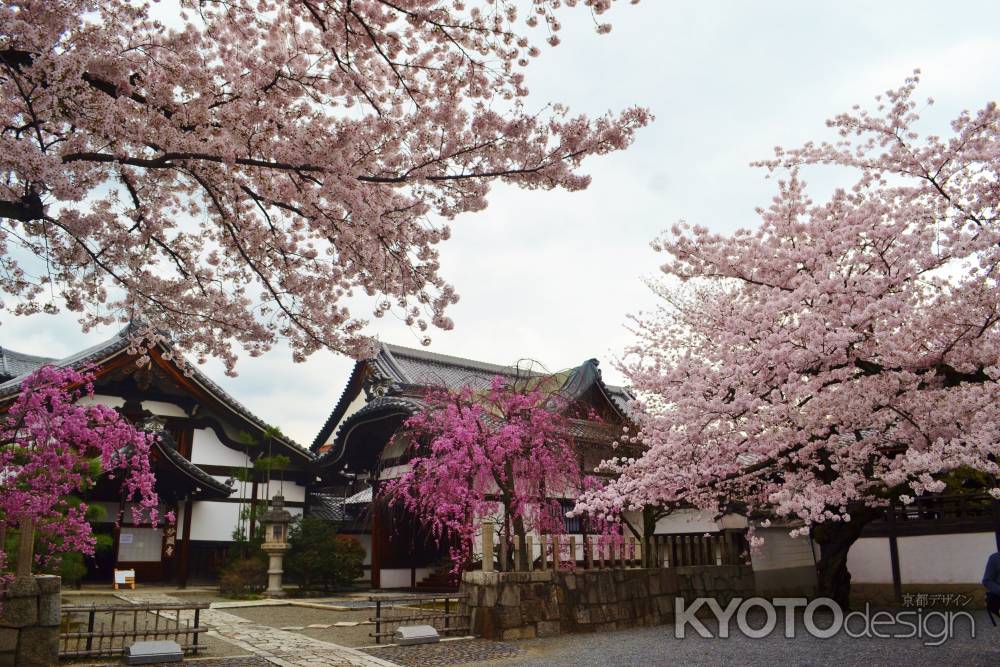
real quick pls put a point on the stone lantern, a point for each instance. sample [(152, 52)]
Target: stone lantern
[(275, 522)]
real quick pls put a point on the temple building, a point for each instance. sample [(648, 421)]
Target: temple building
[(207, 460), (356, 449)]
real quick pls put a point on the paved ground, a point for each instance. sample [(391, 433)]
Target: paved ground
[(347, 628), (278, 647), (658, 646)]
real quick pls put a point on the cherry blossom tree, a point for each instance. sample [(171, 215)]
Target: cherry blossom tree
[(505, 453), (48, 448), (842, 354), (247, 172)]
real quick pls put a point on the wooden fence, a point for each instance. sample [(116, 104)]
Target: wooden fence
[(449, 613), (591, 552), (107, 630)]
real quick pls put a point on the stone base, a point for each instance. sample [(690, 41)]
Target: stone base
[(524, 605), (29, 622)]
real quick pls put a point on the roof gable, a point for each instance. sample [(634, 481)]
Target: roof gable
[(393, 378), (115, 352)]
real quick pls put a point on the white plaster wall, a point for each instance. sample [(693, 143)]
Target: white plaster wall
[(366, 542), (924, 559), (102, 399), (868, 561), (780, 550), (294, 493), (213, 521), (400, 578), (207, 449), (687, 521), (358, 403), (164, 409), (392, 472)]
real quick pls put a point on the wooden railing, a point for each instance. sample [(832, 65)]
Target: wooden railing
[(593, 552), (107, 630), (448, 613), (945, 508)]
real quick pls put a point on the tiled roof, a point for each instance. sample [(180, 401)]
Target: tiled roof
[(165, 445), (326, 506), (363, 497), (397, 367), (381, 405), (407, 366), (13, 364), (119, 342)]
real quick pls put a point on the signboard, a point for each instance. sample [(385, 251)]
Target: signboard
[(125, 538), (125, 578)]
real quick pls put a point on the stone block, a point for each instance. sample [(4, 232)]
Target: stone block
[(509, 617), (484, 623), (48, 609), (48, 583), (8, 639), (19, 612), (38, 647), (509, 596), (582, 615), (547, 628), (527, 632)]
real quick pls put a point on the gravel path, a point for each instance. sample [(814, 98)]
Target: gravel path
[(658, 646), (454, 652)]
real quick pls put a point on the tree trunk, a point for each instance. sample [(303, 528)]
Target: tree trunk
[(519, 537), (835, 540)]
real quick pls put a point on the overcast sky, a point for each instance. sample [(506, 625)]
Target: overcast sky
[(552, 275)]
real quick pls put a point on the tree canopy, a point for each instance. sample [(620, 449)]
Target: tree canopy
[(240, 175), (844, 352)]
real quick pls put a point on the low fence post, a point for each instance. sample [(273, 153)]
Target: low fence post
[(90, 628), (25, 548), (487, 546)]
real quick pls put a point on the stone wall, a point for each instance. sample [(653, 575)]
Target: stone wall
[(522, 605), (29, 622)]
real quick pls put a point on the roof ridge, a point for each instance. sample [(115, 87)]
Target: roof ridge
[(25, 355), (437, 357)]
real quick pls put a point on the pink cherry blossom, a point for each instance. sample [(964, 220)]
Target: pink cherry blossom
[(842, 353), (255, 169), (505, 453), (47, 443)]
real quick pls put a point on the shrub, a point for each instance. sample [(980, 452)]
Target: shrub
[(319, 558), (243, 578)]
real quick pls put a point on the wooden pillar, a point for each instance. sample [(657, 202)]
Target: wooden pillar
[(184, 550), (376, 540), (253, 511)]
